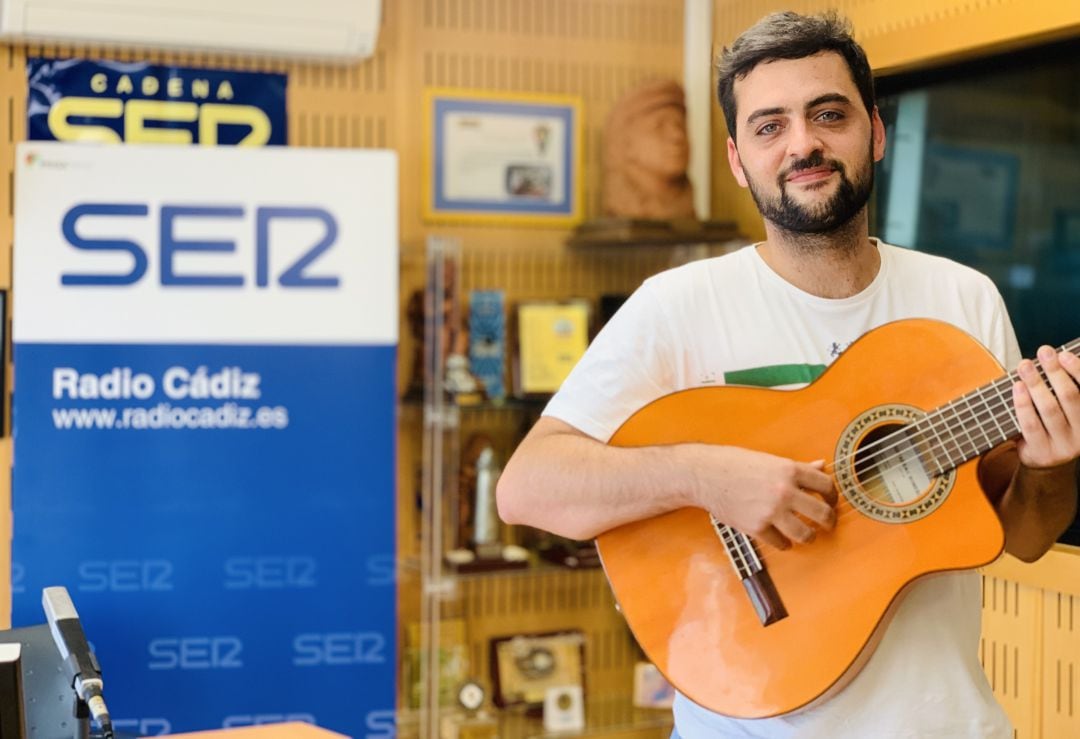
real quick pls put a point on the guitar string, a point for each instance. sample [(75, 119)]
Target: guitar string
[(726, 534), (729, 535), (899, 437), (842, 501), (863, 456), (994, 386), (1002, 403), (907, 438), (936, 420), (980, 394), (945, 454), (1011, 378)]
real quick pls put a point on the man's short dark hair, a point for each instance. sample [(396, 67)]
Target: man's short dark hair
[(789, 35)]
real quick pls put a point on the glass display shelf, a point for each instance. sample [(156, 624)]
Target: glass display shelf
[(508, 404), (613, 718)]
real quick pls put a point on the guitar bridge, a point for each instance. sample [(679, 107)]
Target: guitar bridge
[(755, 578), (763, 596)]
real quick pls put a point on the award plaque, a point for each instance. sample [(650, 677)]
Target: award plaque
[(564, 709), (552, 337), (525, 666)]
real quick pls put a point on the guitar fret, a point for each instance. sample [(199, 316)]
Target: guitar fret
[(1001, 394), (987, 412), (1004, 394), (956, 443), (994, 417), (967, 433), (976, 420), (1010, 410)]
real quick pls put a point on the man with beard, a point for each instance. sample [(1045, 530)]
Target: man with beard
[(797, 94)]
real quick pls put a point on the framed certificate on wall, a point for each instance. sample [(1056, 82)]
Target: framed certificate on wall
[(502, 158)]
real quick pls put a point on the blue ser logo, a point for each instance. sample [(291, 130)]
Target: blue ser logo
[(271, 572), (143, 726), (336, 649), (196, 653), (295, 275), (125, 576), (260, 719)]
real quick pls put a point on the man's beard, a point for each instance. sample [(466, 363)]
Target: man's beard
[(818, 219)]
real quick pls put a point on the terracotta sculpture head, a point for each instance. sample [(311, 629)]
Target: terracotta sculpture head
[(646, 153)]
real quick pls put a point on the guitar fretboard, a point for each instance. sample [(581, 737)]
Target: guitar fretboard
[(971, 425)]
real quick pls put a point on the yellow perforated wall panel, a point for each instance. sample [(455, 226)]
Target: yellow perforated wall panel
[(593, 49)]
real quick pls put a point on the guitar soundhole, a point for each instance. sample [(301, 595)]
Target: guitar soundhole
[(888, 467), (881, 471)]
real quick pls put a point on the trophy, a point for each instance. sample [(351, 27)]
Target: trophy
[(479, 545)]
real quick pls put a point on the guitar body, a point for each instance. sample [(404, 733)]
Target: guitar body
[(678, 589)]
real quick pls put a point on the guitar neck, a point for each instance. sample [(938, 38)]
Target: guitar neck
[(971, 425)]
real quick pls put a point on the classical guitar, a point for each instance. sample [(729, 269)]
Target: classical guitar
[(751, 631)]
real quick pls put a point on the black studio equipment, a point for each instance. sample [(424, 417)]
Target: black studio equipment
[(50, 680), (80, 664), (46, 700), (12, 714)]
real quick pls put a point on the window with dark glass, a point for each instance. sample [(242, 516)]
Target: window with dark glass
[(983, 166)]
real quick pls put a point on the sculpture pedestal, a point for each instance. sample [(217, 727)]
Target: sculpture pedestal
[(641, 231)]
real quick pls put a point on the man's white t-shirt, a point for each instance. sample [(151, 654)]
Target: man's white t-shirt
[(733, 320)]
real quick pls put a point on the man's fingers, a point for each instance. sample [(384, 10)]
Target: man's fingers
[(1071, 363), (1026, 416), (816, 510), (775, 538), (795, 529), (1061, 380), (811, 477), (1043, 400)]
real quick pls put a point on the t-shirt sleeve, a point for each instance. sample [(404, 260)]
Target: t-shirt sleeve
[(628, 365), (1001, 338)]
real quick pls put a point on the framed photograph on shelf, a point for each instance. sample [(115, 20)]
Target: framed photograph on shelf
[(525, 666), (552, 335), (500, 158)]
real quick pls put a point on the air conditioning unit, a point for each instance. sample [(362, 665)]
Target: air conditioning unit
[(340, 30)]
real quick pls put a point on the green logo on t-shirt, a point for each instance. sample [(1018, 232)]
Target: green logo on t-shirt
[(775, 375)]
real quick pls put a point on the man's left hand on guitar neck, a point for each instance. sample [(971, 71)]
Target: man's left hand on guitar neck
[(1034, 479)]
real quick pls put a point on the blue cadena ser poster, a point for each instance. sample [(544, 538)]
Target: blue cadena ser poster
[(204, 426), (138, 102)]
